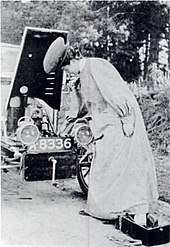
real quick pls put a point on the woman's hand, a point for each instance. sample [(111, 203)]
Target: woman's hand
[(128, 125), (74, 81)]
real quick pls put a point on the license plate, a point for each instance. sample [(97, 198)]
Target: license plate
[(53, 144)]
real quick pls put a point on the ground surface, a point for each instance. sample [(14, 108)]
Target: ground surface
[(39, 214)]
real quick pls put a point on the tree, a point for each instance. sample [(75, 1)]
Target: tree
[(150, 21), (128, 25), (16, 15), (115, 30), (71, 16)]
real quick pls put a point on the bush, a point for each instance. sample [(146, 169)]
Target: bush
[(155, 109)]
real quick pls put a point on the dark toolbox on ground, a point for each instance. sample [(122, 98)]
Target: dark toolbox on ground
[(150, 235)]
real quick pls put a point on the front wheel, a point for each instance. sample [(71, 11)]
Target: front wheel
[(83, 173)]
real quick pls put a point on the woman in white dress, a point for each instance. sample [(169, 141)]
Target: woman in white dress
[(122, 176)]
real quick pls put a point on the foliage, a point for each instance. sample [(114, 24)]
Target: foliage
[(16, 15), (127, 25), (76, 18), (156, 113), (114, 30), (65, 15)]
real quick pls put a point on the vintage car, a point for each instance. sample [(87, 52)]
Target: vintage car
[(34, 114)]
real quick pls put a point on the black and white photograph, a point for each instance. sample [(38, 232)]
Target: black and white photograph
[(85, 123)]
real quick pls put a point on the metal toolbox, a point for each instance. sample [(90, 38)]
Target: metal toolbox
[(149, 236)]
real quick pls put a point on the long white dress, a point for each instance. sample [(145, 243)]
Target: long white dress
[(122, 177)]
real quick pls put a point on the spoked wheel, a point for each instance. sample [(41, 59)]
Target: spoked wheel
[(83, 174)]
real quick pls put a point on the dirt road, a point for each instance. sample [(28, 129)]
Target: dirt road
[(39, 214)]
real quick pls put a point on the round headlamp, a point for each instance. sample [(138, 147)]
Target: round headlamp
[(83, 134), (28, 134)]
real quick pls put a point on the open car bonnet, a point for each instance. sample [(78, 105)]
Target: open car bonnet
[(29, 71)]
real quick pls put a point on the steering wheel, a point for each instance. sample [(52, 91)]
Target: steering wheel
[(25, 119)]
